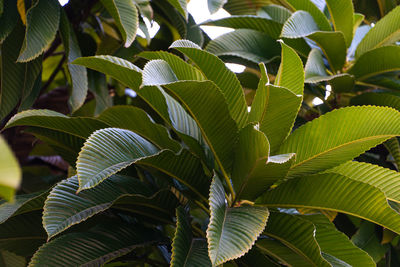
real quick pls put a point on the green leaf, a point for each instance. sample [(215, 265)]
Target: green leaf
[(8, 19), (239, 7), (186, 250), (42, 21), (231, 231), (10, 259), (388, 181), (64, 208), (297, 234), (310, 7), (339, 136), (22, 204), (335, 243), (314, 71), (136, 120), (386, 32), (275, 109), (180, 5), (377, 61), (290, 74), (215, 5), (78, 73), (17, 79), (158, 72), (377, 99), (250, 45), (393, 147), (215, 70), (108, 151), (10, 172), (363, 200), (301, 24), (342, 12), (110, 244), (276, 13), (126, 18)]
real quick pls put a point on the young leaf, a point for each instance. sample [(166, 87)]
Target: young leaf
[(42, 21), (126, 18), (108, 151), (339, 136), (186, 250), (10, 172), (363, 200), (342, 12), (232, 231)]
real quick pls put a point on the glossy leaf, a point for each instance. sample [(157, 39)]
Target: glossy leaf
[(126, 18), (231, 231), (363, 200), (10, 172), (42, 21), (339, 136)]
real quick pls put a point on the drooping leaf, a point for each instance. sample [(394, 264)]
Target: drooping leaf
[(108, 151), (297, 234), (310, 7), (8, 19), (248, 7), (250, 45), (274, 105), (342, 12), (42, 20), (339, 136), (10, 172), (301, 24), (180, 5), (215, 70), (98, 86), (385, 32), (232, 231), (376, 61), (78, 73), (110, 244), (22, 10), (363, 200), (186, 250), (276, 13), (393, 147), (126, 18)]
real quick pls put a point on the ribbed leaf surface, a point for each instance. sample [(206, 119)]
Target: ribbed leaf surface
[(215, 5), (342, 12), (64, 208), (180, 5), (126, 18), (336, 193), (377, 61), (337, 244), (231, 231), (10, 259), (42, 21), (215, 70), (94, 247), (275, 108), (388, 181), (187, 251), (239, 7), (250, 45), (276, 13), (310, 7), (297, 234), (158, 72), (8, 19), (120, 69), (385, 32), (393, 146), (315, 69), (301, 24), (10, 172), (339, 136), (108, 151), (206, 104), (377, 99)]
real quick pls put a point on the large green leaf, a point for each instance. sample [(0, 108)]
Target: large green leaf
[(250, 45), (17, 79), (110, 243), (180, 5), (10, 172), (42, 21), (136, 120), (240, 7), (215, 70), (339, 136), (377, 61), (275, 108), (277, 13), (232, 231), (78, 73), (388, 181), (336, 193), (126, 18), (385, 32), (22, 204), (108, 151), (301, 24), (342, 12), (297, 234), (8, 19), (310, 7), (186, 250)]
